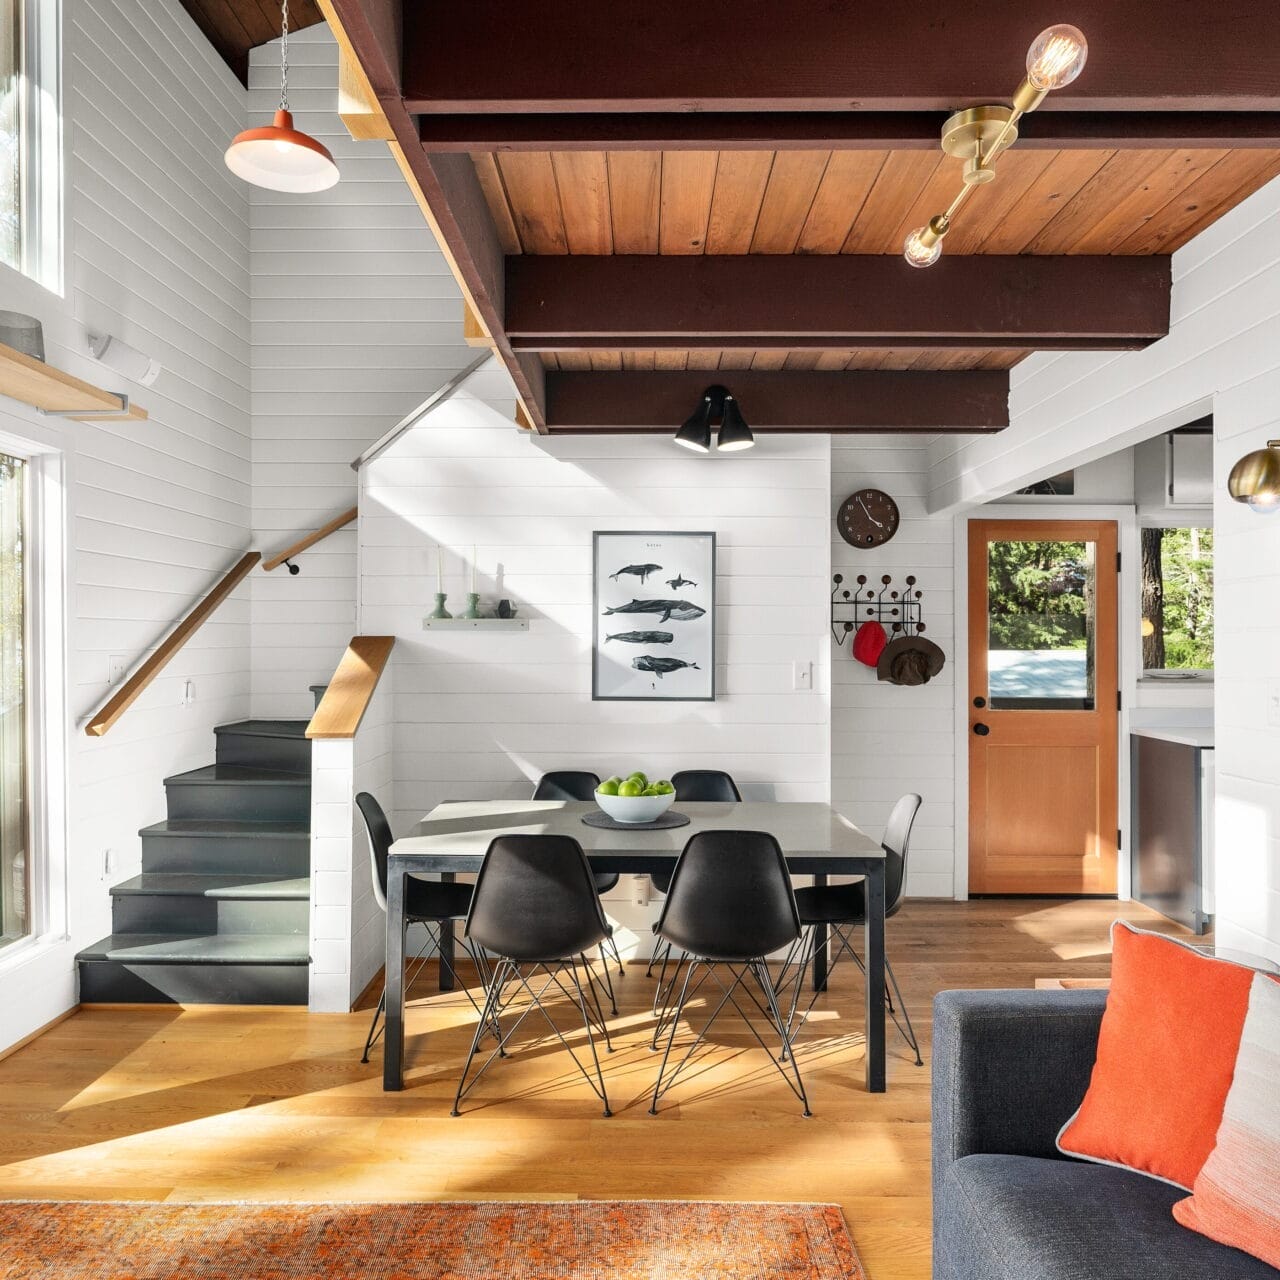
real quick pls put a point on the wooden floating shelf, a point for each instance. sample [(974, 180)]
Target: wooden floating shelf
[(23, 377), (475, 624)]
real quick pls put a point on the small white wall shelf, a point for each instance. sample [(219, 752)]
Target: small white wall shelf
[(475, 624)]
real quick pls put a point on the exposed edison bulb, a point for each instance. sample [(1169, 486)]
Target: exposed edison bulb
[(1264, 504), (1056, 57), (918, 251)]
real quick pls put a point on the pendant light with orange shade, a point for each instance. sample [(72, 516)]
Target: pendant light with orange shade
[(278, 156)]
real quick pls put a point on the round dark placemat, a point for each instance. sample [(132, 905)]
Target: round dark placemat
[(598, 818)]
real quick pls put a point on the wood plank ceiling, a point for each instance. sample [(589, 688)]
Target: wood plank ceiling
[(1132, 202), (720, 131), (234, 27)]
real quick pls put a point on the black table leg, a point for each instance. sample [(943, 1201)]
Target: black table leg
[(873, 955), (393, 1037), (447, 946), (819, 946)]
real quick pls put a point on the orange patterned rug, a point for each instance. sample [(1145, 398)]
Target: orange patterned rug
[(578, 1240)]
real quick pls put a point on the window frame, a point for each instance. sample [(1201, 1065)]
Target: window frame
[(40, 168), (1170, 518), (45, 676)]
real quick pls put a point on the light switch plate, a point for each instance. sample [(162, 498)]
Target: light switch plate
[(802, 677)]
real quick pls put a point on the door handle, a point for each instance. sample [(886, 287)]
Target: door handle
[(982, 730)]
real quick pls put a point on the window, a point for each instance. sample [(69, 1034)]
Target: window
[(30, 159), (15, 868), (1177, 601), (1041, 601)]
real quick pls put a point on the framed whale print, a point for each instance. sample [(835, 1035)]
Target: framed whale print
[(654, 634)]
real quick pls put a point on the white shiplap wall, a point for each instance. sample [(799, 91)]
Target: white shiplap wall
[(887, 740), (157, 254), (1221, 355), (356, 320), (485, 715)]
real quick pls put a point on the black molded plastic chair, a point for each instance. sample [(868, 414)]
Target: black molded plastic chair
[(579, 784), (729, 907), (843, 907), (535, 908), (712, 785), (427, 902)]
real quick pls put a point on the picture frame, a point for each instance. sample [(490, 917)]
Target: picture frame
[(653, 635)]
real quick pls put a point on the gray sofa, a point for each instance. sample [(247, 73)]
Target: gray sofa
[(1009, 1067)]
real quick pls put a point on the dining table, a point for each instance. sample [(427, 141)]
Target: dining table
[(815, 839)]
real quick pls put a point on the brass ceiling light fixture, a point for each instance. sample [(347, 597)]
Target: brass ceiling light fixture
[(1255, 479), (979, 134)]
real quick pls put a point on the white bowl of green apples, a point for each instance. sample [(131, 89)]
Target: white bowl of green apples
[(635, 798)]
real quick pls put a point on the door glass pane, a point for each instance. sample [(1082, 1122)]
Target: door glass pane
[(1040, 625), (14, 866)]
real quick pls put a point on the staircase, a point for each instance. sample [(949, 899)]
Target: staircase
[(221, 911)]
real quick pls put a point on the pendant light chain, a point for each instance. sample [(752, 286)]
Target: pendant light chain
[(284, 56)]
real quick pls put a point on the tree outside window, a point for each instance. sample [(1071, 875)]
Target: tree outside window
[(1177, 599)]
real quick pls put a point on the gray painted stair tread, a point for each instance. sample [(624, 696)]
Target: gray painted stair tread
[(227, 827), (190, 884), (234, 948), (212, 774), (266, 728)]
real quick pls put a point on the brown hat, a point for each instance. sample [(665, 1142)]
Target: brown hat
[(910, 660)]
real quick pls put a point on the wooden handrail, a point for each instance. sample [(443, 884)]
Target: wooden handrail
[(123, 698), (347, 698), (310, 540)]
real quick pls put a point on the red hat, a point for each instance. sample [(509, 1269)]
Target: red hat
[(869, 643)]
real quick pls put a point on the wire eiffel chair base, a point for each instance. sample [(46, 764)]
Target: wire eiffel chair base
[(799, 961), (507, 974), (417, 964), (752, 969)]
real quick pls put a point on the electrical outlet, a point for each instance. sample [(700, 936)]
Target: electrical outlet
[(188, 693), (108, 863), (117, 668), (802, 677), (640, 890), (1273, 704)]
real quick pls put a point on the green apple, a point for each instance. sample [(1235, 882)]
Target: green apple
[(630, 788), (653, 789), (639, 777), (617, 781), (608, 788), (664, 788)]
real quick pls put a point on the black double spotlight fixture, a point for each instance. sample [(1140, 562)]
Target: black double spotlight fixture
[(718, 405)]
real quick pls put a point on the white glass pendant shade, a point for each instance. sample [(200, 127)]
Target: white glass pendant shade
[(281, 158)]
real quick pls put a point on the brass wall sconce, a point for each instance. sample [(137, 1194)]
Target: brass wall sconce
[(1255, 479), (979, 134)]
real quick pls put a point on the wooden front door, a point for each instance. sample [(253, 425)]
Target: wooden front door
[(1043, 684)]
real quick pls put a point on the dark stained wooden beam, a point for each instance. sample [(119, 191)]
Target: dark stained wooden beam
[(797, 301), (647, 403), (448, 189), (508, 56), (839, 131)]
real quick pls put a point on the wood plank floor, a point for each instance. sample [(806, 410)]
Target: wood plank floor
[(226, 1104)]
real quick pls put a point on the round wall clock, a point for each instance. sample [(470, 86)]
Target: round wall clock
[(868, 518)]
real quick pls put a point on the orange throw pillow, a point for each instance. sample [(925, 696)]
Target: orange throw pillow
[(1166, 1055), (1236, 1200)]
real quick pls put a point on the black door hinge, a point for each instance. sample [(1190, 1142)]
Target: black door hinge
[(1119, 699), (1117, 561), (1117, 839)]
